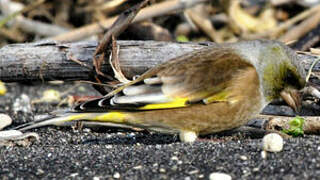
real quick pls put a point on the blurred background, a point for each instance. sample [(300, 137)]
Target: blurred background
[(295, 22)]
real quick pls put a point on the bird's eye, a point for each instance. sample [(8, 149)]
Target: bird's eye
[(292, 79)]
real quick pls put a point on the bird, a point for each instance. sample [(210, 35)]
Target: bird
[(213, 89)]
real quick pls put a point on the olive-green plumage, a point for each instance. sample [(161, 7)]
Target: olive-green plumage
[(209, 90)]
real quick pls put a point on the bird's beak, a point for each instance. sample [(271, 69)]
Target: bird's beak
[(292, 97)]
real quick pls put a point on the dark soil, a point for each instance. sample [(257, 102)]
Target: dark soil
[(65, 153)]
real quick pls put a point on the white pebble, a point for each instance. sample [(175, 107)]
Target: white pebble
[(244, 158), (219, 176), (9, 134), (174, 158), (5, 121), (116, 175), (162, 170), (138, 167), (264, 154), (188, 136), (272, 142), (22, 104)]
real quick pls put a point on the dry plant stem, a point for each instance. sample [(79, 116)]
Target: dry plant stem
[(69, 56), (204, 24), (99, 87), (109, 5), (315, 51), (12, 35), (280, 2), (301, 29), (115, 63), (311, 67), (311, 123), (122, 22), (146, 13), (119, 26), (24, 10), (36, 27), (312, 91), (282, 27)]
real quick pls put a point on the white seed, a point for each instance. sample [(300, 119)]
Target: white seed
[(244, 158), (219, 176), (116, 175), (5, 121), (272, 142), (264, 154)]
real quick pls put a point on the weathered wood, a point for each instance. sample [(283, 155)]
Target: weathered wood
[(52, 61), (49, 60)]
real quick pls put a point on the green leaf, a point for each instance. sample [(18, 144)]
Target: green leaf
[(295, 127)]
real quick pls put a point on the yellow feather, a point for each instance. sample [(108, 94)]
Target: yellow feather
[(116, 117), (178, 102), (220, 97), (77, 117)]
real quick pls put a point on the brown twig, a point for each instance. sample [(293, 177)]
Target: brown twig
[(146, 13), (115, 63), (204, 24), (122, 22), (301, 29), (282, 27)]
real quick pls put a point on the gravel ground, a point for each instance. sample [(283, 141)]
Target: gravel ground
[(100, 153)]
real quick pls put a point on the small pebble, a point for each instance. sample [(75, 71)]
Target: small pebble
[(196, 171), (22, 104), (219, 176), (5, 120), (244, 158), (137, 167), (116, 175), (264, 154), (272, 142), (174, 158), (74, 175), (162, 170)]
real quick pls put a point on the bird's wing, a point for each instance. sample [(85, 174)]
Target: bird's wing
[(197, 77)]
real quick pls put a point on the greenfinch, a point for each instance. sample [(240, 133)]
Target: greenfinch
[(213, 89)]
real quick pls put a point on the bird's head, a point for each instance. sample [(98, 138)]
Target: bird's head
[(281, 73)]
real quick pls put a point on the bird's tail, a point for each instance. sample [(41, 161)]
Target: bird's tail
[(117, 119)]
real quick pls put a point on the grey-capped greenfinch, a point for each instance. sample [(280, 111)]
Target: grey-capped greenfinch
[(213, 89)]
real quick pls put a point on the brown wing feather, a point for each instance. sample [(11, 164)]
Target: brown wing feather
[(207, 70), (194, 76)]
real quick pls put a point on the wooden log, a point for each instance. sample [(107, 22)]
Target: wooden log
[(50, 60)]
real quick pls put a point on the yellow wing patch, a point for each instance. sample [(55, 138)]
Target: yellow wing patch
[(116, 117), (220, 97), (177, 103), (77, 117), (223, 96)]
